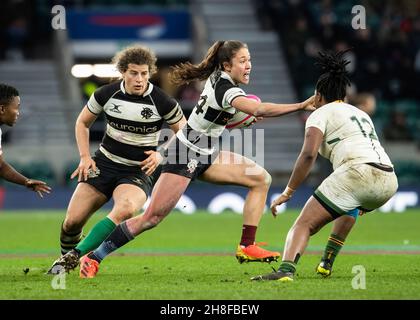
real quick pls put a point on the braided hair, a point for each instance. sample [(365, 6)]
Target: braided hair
[(334, 78)]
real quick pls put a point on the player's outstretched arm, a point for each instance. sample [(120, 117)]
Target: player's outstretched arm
[(9, 173), (268, 109)]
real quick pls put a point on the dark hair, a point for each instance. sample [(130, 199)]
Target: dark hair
[(333, 81), (135, 54), (7, 93), (218, 53)]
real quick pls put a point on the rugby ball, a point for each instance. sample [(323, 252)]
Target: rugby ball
[(241, 119)]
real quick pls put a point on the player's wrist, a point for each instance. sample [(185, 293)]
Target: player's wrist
[(27, 182), (288, 192), (301, 105)]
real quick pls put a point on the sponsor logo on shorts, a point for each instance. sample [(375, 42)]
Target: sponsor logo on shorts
[(93, 174), (137, 181)]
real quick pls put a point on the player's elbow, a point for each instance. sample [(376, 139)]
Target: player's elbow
[(308, 156), (78, 124), (259, 111), (265, 110), (82, 122)]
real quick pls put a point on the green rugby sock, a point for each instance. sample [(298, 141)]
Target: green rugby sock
[(287, 266), (99, 233), (334, 245)]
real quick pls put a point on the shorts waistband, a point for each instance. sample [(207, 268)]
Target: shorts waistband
[(380, 166)]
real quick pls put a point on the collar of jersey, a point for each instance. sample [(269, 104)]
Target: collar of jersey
[(225, 75), (147, 92)]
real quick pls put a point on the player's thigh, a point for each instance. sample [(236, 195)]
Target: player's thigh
[(85, 200), (232, 168), (128, 197)]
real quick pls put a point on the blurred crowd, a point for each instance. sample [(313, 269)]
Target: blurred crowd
[(385, 56), (15, 19)]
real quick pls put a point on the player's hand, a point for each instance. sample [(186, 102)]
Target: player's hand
[(361, 212), (38, 186), (309, 104), (278, 201), (257, 119), (86, 164), (150, 164)]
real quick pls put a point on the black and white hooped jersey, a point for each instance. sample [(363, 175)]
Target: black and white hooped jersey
[(212, 112), (133, 123)]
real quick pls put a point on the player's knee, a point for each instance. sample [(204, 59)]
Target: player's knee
[(122, 216), (72, 226), (314, 228), (311, 226), (262, 179), (124, 210), (267, 179)]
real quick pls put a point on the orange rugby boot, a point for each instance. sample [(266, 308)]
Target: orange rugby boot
[(88, 267), (254, 253)]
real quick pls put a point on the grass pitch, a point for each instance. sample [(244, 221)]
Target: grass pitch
[(191, 257)]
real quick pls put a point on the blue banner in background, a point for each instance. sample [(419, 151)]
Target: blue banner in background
[(129, 25), (214, 199)]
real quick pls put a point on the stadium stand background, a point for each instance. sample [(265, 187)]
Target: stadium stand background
[(283, 36), (385, 61)]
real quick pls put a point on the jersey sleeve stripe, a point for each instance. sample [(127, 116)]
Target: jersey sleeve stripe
[(94, 106), (177, 115), (90, 109), (171, 113), (232, 94)]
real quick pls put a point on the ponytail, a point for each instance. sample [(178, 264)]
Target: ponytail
[(218, 53)]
